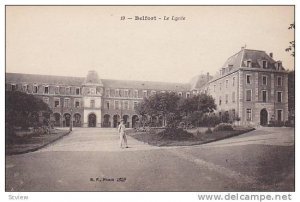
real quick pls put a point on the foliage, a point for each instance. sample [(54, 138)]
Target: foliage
[(160, 104), (175, 134), (223, 127), (22, 109), (176, 111), (208, 131), (291, 47)]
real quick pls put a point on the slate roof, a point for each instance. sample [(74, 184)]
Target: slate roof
[(255, 56), (199, 81), (107, 83)]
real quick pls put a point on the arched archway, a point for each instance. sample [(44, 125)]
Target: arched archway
[(67, 120), (263, 117), (135, 119), (77, 120), (56, 119), (125, 119), (106, 122), (116, 119), (92, 120)]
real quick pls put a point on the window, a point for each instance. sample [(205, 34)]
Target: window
[(135, 105), (145, 93), (233, 81), (126, 94), (77, 103), (25, 88), (13, 87), (248, 95), (220, 100), (279, 65), (233, 96), (46, 90), (188, 95), (117, 104), (35, 89), (136, 94), (249, 114), (279, 115), (248, 63), (107, 92), (126, 105), (68, 90), (214, 88), (92, 103), (46, 100), (279, 81), (264, 64), (220, 85), (66, 102), (264, 96), (264, 78), (226, 98), (57, 90), (279, 96), (117, 92), (56, 103), (107, 104), (226, 83), (248, 79), (77, 91)]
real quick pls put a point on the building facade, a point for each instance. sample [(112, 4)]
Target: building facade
[(251, 85)]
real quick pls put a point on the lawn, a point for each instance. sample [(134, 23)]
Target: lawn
[(198, 136), (27, 143)]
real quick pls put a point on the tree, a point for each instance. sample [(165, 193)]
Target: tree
[(292, 43), (291, 94), (22, 109), (195, 107), (160, 104), (174, 110)]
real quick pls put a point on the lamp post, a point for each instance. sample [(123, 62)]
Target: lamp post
[(71, 119)]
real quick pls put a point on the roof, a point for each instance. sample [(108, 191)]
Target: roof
[(44, 79), (145, 85), (108, 83), (255, 56), (199, 81)]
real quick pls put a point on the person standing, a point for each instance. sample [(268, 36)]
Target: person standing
[(121, 130)]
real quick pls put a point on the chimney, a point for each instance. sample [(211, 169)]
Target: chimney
[(271, 55)]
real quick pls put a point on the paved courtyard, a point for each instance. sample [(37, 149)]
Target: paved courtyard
[(91, 160)]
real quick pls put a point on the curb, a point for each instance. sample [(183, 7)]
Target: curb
[(37, 148)]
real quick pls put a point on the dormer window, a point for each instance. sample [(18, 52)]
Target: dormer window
[(248, 63), (264, 64), (46, 90), (279, 65)]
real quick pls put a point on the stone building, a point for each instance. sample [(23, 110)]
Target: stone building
[(90, 101), (251, 85)]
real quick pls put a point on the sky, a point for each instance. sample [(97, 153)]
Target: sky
[(71, 40)]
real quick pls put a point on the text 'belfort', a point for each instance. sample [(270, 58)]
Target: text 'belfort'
[(154, 18)]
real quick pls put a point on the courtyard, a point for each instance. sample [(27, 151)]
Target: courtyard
[(89, 159)]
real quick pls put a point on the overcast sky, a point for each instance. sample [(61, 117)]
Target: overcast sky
[(70, 41)]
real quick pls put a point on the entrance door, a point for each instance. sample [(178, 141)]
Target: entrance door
[(116, 119), (92, 120), (67, 120), (263, 117)]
